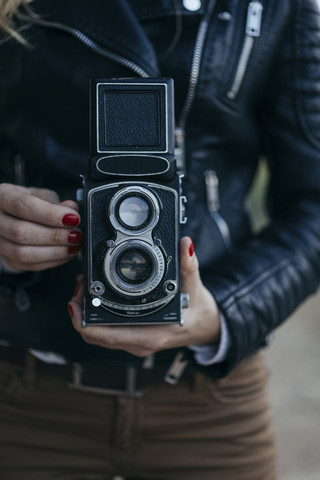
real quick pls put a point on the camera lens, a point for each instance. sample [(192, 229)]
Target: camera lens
[(134, 266), (134, 212)]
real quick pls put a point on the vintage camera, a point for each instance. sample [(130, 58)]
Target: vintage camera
[(132, 205)]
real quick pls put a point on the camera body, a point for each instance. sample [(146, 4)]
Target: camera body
[(132, 205)]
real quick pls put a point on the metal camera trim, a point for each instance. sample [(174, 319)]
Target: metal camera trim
[(124, 192), (129, 84), (119, 174), (143, 288)]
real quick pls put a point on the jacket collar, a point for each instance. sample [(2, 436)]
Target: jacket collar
[(111, 24)]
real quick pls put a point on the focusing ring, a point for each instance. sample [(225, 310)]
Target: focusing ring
[(117, 281)]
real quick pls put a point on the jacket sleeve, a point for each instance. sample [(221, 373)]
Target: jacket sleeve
[(266, 278)]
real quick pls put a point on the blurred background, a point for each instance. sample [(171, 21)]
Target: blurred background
[(294, 361)]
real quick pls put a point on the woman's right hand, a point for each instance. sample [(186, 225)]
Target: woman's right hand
[(36, 231)]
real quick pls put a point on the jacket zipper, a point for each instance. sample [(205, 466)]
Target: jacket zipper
[(213, 203), (253, 29), (88, 42), (194, 75), (212, 182), (193, 82)]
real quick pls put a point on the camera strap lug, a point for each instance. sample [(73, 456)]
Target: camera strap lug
[(179, 151), (176, 369), (183, 201)]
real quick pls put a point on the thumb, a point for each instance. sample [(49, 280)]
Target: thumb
[(190, 277)]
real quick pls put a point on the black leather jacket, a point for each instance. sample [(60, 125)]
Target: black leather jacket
[(239, 94)]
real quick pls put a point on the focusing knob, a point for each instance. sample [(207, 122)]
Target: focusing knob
[(97, 288), (170, 287)]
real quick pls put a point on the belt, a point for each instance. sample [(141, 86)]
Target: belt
[(107, 379)]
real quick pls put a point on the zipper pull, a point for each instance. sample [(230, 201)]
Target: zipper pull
[(213, 202), (254, 19), (22, 300), (212, 188), (176, 369)]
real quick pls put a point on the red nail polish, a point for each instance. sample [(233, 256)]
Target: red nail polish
[(73, 250), (70, 310), (75, 236), (70, 220), (191, 249), (75, 293)]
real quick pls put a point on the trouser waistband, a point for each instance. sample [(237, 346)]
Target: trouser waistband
[(105, 378)]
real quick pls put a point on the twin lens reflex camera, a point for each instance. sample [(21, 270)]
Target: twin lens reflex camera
[(133, 206)]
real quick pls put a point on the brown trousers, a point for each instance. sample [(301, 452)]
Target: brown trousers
[(204, 430)]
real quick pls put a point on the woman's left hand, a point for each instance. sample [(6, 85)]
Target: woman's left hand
[(201, 318)]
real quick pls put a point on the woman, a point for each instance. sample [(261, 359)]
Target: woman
[(245, 85)]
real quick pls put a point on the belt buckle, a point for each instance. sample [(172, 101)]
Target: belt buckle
[(129, 390)]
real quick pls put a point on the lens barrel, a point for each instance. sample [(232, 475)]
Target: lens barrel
[(134, 267), (134, 210)]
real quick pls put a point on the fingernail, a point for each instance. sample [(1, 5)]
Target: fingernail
[(70, 220), (191, 249), (70, 310), (75, 236), (72, 250), (76, 290)]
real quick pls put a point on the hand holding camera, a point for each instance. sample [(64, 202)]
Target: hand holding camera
[(201, 319), (136, 270), (36, 231)]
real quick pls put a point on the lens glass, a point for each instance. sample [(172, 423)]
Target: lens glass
[(133, 212), (134, 266)]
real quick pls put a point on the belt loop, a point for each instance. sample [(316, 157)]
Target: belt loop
[(131, 381), (197, 382), (30, 370)]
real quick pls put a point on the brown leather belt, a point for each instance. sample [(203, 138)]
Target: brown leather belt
[(108, 379)]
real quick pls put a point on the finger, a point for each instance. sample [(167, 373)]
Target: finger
[(48, 195), (37, 267), (190, 277), (22, 204), (78, 291), (139, 341), (114, 338), (28, 233), (95, 335), (71, 204), (24, 256)]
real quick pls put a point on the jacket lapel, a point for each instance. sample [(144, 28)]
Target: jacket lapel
[(111, 24)]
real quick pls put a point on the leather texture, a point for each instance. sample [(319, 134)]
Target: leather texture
[(44, 107)]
